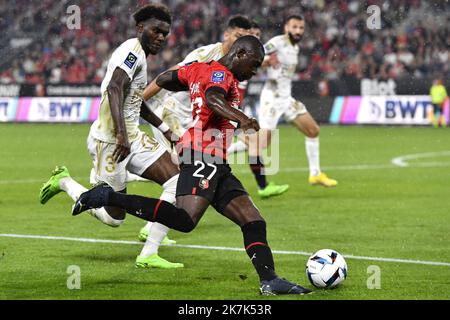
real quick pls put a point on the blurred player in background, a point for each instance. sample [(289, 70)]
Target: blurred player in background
[(438, 96), (205, 177), (115, 142), (276, 99), (255, 29)]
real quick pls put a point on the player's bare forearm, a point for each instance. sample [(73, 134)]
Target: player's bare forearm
[(215, 100), (153, 88), (149, 116), (270, 60), (169, 81), (115, 90)]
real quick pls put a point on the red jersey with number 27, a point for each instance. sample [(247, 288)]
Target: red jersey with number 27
[(210, 133)]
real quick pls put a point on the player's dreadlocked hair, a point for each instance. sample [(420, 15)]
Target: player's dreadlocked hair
[(239, 21), (294, 16), (153, 10)]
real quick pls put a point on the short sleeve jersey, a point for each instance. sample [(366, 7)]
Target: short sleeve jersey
[(131, 58), (209, 133), (287, 55), (202, 54), (206, 53)]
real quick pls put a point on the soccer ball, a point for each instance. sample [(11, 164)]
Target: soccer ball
[(326, 268)]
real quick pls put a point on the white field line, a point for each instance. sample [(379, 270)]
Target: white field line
[(302, 253), (402, 160), (361, 167), (297, 169)]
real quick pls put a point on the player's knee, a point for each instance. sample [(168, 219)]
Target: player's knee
[(102, 215), (264, 139), (313, 131), (114, 222), (253, 215), (264, 144), (255, 228), (185, 223)]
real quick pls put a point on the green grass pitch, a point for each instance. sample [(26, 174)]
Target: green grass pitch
[(377, 210)]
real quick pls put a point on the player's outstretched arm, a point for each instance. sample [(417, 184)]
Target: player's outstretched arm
[(153, 88), (216, 101), (169, 81), (115, 90), (148, 115)]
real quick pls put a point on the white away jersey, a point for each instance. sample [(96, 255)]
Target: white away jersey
[(203, 54), (130, 57), (287, 55)]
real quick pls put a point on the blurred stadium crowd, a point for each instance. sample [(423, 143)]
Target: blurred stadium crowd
[(414, 38)]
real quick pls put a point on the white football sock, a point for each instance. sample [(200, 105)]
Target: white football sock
[(312, 152), (237, 146), (74, 190), (71, 187), (158, 231), (148, 226)]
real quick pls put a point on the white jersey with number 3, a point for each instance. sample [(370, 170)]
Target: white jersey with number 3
[(131, 58)]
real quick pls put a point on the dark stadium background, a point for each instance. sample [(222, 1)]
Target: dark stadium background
[(412, 46)]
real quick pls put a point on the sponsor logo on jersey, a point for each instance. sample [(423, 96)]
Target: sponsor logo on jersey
[(195, 88), (204, 183), (269, 47), (218, 76), (130, 60)]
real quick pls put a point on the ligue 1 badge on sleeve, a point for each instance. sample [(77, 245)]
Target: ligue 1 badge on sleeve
[(269, 47), (218, 76), (204, 183), (130, 60)]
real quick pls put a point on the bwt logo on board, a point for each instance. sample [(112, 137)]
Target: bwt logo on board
[(406, 109), (61, 109)]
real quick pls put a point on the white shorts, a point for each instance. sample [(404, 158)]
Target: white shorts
[(272, 107), (144, 152)]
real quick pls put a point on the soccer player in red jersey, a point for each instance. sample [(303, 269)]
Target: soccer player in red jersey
[(205, 177)]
